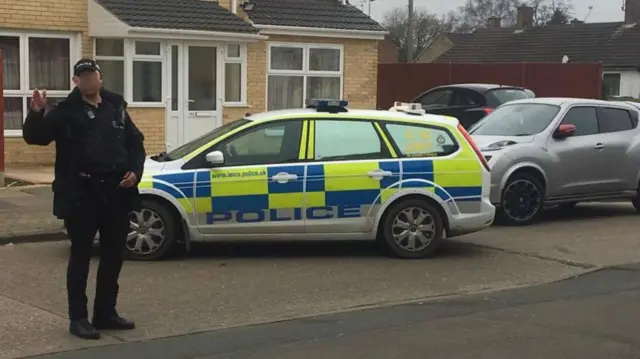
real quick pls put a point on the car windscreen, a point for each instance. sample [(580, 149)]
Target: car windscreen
[(498, 97), (521, 119), (193, 145)]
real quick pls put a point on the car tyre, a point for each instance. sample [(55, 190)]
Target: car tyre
[(636, 201), (529, 193), (161, 228), (412, 229)]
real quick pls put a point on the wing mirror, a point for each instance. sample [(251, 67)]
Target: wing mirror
[(564, 131), (215, 158)]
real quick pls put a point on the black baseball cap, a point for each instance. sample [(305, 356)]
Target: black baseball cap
[(85, 65)]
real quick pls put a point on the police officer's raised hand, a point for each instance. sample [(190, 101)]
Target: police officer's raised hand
[(130, 180), (38, 100)]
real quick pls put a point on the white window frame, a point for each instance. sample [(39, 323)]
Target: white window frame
[(305, 72), (129, 58), (242, 60), (24, 91), (619, 75)]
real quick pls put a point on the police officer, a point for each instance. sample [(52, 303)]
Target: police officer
[(99, 162)]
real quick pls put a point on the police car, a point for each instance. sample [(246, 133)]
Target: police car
[(402, 177)]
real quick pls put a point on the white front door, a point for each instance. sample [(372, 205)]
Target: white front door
[(196, 93)]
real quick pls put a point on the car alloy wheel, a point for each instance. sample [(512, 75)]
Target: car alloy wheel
[(521, 200), (147, 232), (413, 229)]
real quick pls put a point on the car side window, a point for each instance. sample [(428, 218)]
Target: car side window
[(275, 142), (421, 141), (584, 118), (437, 98), (467, 98), (337, 140), (614, 120)]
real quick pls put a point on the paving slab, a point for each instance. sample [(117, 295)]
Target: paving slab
[(598, 234), (26, 214), (220, 290)]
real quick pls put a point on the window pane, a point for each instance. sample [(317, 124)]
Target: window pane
[(337, 140), (233, 82), (109, 47), (174, 77), (147, 48), (51, 101), (614, 120), (49, 64), (233, 50), (147, 81), (422, 141), (585, 120), (437, 98), (284, 92), (324, 60), (112, 75), (286, 58), (274, 143), (13, 115), (10, 47), (611, 84), (323, 88), (202, 78)]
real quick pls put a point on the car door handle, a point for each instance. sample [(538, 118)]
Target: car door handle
[(379, 174), (284, 177), (599, 146)]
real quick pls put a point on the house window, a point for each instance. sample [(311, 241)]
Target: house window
[(297, 72), (611, 84), (235, 74), (134, 69), (32, 61)]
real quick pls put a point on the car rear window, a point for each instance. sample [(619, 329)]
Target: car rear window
[(421, 141), (497, 97)]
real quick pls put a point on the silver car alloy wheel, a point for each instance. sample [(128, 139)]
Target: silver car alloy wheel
[(521, 200), (147, 232), (413, 229)]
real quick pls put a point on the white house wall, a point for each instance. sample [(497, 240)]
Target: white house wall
[(104, 24), (629, 82)]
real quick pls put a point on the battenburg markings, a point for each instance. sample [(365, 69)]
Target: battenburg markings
[(290, 214)]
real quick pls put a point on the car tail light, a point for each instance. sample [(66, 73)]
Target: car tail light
[(487, 110), (475, 147)]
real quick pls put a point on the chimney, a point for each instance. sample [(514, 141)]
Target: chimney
[(525, 17), (632, 11), (493, 22)]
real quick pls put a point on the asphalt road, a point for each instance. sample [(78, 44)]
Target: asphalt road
[(238, 285), (592, 316)]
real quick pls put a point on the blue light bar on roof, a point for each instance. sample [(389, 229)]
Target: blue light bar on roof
[(319, 103)]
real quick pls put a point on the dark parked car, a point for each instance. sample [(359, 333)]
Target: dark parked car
[(469, 102)]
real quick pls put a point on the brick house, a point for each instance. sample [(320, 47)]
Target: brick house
[(614, 44), (187, 66)]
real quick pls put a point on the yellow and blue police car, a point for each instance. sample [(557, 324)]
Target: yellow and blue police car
[(402, 177)]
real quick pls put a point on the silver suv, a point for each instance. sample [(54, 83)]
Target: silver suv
[(559, 151)]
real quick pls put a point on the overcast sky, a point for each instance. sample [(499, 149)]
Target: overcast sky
[(603, 10)]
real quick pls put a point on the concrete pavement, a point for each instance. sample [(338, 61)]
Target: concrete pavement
[(594, 316), (232, 285), (26, 215)]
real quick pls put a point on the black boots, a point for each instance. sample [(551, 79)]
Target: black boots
[(85, 330)]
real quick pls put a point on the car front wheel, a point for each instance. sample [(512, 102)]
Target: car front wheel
[(412, 229), (522, 201), (153, 232)]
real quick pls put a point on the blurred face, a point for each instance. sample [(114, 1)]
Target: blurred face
[(88, 82)]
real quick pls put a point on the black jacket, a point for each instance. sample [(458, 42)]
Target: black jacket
[(60, 125)]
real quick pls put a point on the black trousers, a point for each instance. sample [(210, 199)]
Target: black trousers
[(99, 209)]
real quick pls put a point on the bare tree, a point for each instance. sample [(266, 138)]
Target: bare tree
[(550, 11), (425, 29), (476, 13)]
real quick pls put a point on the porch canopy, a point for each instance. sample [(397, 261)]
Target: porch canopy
[(168, 19)]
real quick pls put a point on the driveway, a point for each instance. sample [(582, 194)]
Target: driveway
[(228, 285)]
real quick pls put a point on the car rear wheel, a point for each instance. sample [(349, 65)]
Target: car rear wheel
[(636, 201), (153, 232), (522, 201), (412, 229)]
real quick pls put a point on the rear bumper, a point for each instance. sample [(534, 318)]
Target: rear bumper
[(465, 223)]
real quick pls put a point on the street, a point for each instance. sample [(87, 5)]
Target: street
[(225, 287)]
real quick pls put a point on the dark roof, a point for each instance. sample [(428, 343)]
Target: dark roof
[(177, 14), (329, 14), (612, 43)]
